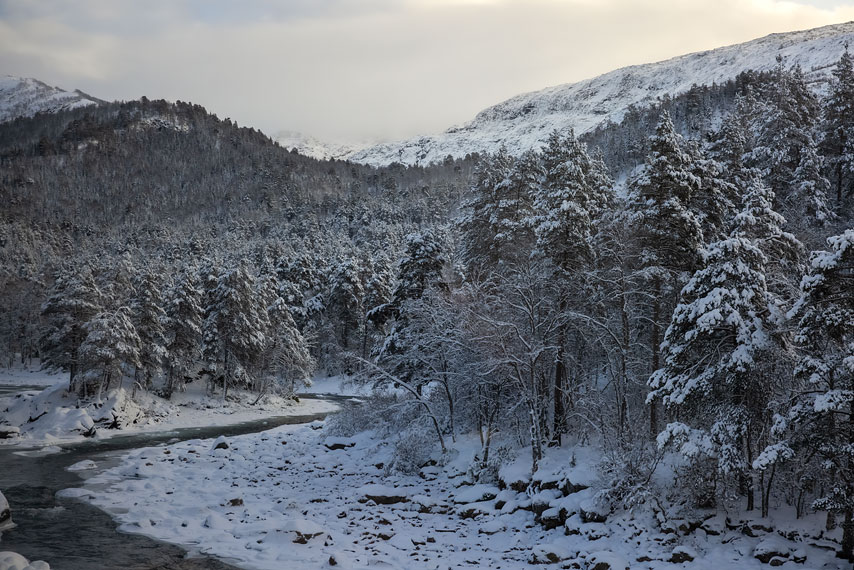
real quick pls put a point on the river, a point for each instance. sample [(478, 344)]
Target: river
[(72, 535)]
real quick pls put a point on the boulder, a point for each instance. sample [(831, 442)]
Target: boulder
[(591, 511), (382, 495), (220, 443), (605, 560), (5, 514), (552, 518), (772, 546), (336, 443), (303, 530), (475, 494), (682, 554), (550, 553), (8, 432)]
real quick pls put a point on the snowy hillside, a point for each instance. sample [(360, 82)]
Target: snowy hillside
[(24, 97), (524, 121), (315, 148)]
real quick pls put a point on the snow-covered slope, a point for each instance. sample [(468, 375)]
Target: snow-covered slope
[(524, 121), (24, 97), (315, 148)]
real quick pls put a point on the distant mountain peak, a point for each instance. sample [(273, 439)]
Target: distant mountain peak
[(524, 122), (24, 97)]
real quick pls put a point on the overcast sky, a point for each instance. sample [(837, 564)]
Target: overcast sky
[(365, 69)]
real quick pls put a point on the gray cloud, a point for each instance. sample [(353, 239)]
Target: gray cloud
[(348, 69)]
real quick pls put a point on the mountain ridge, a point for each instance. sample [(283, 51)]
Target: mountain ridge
[(524, 121), (25, 96)]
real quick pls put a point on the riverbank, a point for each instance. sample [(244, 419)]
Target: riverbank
[(295, 497), (50, 417), (89, 537)]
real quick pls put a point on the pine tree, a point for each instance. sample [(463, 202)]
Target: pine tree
[(183, 329), (420, 270), (480, 221), (838, 126), (378, 292), (111, 349), (234, 327), (148, 319), (714, 199), (667, 234), (809, 190), (74, 299), (573, 192), (823, 415), (346, 298), (759, 222), (712, 376), (286, 358), (785, 149)]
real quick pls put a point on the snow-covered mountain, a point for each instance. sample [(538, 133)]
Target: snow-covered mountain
[(525, 121), (310, 146), (24, 97)]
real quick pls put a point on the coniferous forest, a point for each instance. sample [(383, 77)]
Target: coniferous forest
[(676, 287)]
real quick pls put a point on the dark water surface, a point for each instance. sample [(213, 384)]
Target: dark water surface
[(72, 535)]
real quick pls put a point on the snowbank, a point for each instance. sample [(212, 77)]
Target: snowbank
[(13, 561), (283, 499), (30, 377), (54, 416)]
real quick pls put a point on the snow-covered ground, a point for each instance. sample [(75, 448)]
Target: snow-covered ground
[(294, 497), (30, 377), (52, 416)]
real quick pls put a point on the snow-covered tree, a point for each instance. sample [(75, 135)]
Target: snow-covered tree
[(566, 204), (345, 299), (713, 381), (234, 327), (759, 222), (74, 299), (183, 328), (110, 351), (420, 270), (573, 191), (480, 222), (149, 319), (286, 362), (822, 417), (667, 234), (837, 127)]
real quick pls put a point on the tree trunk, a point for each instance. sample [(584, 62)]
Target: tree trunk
[(848, 536), (655, 346)]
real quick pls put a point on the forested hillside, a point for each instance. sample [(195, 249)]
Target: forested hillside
[(702, 305)]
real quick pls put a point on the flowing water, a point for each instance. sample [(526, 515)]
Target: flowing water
[(72, 535)]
